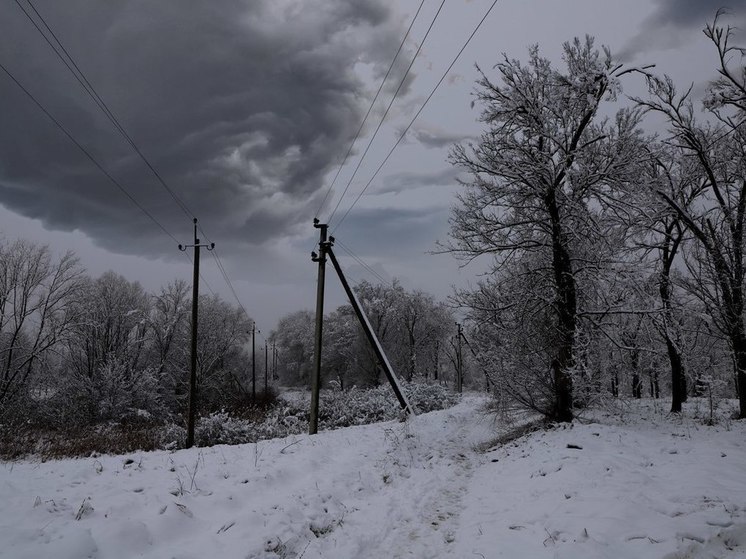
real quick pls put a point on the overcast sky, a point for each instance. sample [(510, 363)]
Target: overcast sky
[(246, 109)]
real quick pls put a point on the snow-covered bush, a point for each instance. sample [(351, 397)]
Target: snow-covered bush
[(336, 409)]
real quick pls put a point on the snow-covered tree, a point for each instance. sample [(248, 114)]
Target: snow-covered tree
[(716, 218), (36, 292), (538, 175)]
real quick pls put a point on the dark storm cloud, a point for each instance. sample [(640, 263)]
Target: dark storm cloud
[(673, 23), (242, 106)]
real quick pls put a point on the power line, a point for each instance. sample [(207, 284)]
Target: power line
[(87, 153), (360, 261), (417, 114), (370, 108), (98, 165), (221, 268), (201, 277), (80, 76), (388, 108)]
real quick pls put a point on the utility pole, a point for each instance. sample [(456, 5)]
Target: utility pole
[(487, 380), (274, 361), (313, 426), (253, 361), (460, 362), (437, 361), (192, 406), (266, 365)]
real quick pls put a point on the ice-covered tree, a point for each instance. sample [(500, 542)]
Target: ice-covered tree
[(538, 176)]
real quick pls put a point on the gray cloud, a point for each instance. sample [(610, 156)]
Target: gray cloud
[(402, 232), (401, 182), (673, 23), (435, 138), (241, 105)]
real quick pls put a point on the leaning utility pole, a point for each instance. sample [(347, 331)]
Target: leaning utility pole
[(313, 425), (369, 333), (192, 406)]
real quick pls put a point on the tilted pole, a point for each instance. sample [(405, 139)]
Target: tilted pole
[(313, 424), (192, 405), (369, 333)]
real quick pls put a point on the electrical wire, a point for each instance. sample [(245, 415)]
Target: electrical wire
[(87, 154), (100, 167), (417, 114), (388, 108), (360, 261), (370, 108), (80, 76)]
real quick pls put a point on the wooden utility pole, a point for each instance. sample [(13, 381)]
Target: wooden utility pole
[(274, 361), (192, 405), (266, 365), (459, 361), (437, 361), (313, 425), (253, 361)]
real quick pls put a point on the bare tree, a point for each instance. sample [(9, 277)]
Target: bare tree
[(716, 218), (545, 156), (35, 313)]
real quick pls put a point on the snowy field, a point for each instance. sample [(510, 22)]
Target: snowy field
[(640, 485)]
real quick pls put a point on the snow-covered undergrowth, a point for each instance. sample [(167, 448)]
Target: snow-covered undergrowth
[(336, 409), (639, 485), (283, 417)]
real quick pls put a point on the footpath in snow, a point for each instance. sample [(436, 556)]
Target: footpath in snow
[(643, 486)]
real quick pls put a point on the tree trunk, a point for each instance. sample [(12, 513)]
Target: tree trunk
[(678, 381), (566, 302), (738, 339)]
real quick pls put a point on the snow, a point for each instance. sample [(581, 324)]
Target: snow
[(640, 486)]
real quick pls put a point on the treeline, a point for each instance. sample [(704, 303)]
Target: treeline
[(618, 255), (417, 332), (75, 350)]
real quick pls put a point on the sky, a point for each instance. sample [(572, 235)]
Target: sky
[(246, 108)]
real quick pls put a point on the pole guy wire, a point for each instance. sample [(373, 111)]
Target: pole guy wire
[(370, 108), (385, 114), (417, 114)]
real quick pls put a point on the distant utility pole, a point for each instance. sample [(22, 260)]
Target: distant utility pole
[(313, 425), (266, 365), (192, 407), (487, 380), (274, 361), (253, 361), (459, 361)]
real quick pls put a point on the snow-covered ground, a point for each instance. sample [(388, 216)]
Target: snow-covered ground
[(637, 487)]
